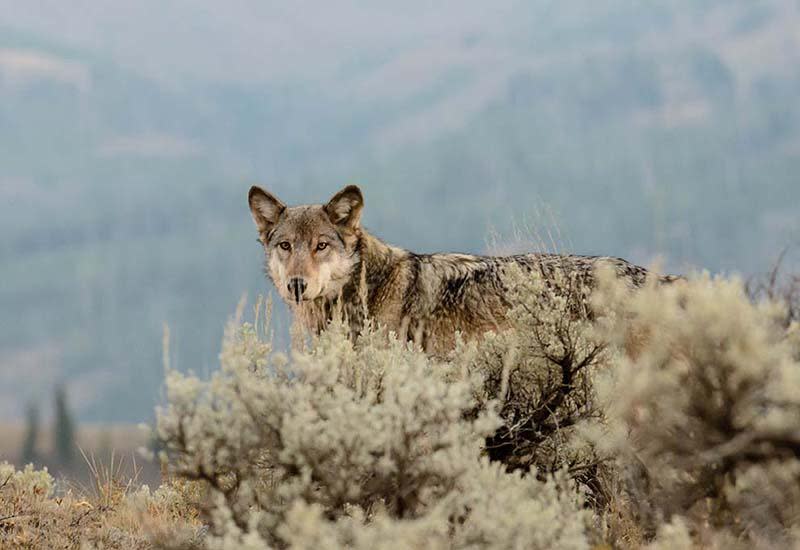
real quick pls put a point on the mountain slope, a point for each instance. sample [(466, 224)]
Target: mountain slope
[(666, 129)]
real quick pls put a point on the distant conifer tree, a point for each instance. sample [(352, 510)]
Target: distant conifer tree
[(64, 432), (29, 454)]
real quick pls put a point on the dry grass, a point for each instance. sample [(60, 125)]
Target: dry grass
[(101, 500), (102, 441), (112, 511)]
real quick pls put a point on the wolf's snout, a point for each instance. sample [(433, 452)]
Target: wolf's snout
[(297, 286)]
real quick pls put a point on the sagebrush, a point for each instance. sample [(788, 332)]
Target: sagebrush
[(662, 417)]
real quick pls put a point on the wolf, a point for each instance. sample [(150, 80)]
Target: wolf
[(321, 261)]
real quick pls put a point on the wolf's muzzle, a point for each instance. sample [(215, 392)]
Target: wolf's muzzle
[(297, 286)]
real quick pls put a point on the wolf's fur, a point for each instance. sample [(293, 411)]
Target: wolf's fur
[(424, 298)]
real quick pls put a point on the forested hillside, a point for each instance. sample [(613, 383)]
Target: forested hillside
[(669, 129)]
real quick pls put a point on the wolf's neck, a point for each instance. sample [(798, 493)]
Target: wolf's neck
[(378, 261), (376, 273)]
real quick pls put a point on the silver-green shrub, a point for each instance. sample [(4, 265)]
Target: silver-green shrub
[(37, 484), (674, 408), (364, 445), (705, 395), (540, 372)]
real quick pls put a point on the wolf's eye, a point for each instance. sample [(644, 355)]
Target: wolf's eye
[(285, 245), (322, 246)]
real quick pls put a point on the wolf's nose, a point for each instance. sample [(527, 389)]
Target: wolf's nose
[(297, 286)]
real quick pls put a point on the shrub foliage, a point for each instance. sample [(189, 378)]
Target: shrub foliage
[(367, 445), (663, 417)]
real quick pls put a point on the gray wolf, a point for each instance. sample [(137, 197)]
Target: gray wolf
[(322, 260)]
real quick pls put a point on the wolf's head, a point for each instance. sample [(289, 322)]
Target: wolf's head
[(311, 250)]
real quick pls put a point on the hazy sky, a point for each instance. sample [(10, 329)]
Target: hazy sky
[(252, 40)]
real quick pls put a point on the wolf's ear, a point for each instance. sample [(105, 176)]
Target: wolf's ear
[(265, 208), (345, 207)]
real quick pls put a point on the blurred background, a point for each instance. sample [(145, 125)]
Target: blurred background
[(130, 132)]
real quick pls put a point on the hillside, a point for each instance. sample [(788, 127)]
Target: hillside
[(126, 152)]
